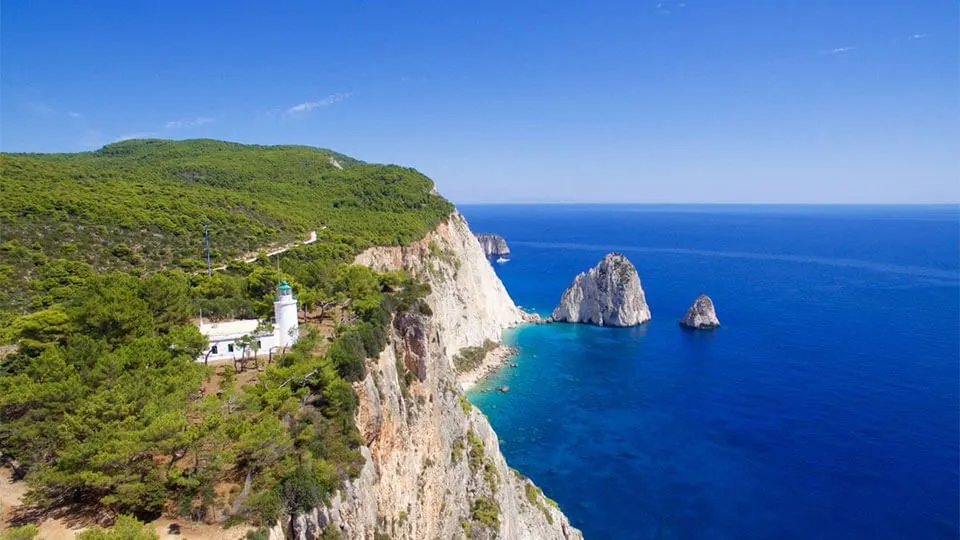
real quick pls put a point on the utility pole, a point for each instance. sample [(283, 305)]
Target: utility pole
[(206, 238)]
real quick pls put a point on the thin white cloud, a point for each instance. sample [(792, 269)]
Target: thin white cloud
[(306, 107), (39, 107), (839, 50), (72, 114), (918, 36), (140, 135), (189, 123), (664, 7)]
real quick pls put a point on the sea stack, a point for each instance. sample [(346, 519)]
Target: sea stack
[(609, 294), (701, 315), (494, 246)]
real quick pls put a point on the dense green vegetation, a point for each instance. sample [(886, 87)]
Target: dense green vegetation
[(470, 358), (140, 205), (102, 403)]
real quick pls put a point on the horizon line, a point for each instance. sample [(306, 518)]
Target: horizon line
[(721, 203)]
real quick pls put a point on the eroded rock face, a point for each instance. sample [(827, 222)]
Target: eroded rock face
[(609, 294), (423, 439), (701, 315), (494, 246)]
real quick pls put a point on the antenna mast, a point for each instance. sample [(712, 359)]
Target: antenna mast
[(206, 239)]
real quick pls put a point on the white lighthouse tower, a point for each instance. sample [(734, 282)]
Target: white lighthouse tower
[(285, 313)]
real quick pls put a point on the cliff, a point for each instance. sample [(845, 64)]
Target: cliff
[(702, 315), (493, 245), (433, 463), (609, 294)]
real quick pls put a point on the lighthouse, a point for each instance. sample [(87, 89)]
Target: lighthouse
[(285, 315)]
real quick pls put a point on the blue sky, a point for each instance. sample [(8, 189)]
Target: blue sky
[(640, 101)]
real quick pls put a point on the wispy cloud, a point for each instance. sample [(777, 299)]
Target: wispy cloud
[(189, 123), (40, 107), (664, 7), (838, 50), (918, 36), (72, 114), (140, 135), (302, 109)]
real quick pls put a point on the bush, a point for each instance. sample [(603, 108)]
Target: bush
[(264, 507), (25, 532), (125, 528), (475, 450), (261, 533), (456, 451), (300, 491), (349, 355), (470, 358), (486, 511)]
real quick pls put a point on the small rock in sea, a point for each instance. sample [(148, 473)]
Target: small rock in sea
[(504, 389), (701, 315)]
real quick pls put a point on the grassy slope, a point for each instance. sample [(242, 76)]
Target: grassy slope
[(140, 205)]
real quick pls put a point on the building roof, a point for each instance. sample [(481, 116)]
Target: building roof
[(228, 329)]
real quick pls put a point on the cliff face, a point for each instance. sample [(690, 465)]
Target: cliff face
[(701, 315), (433, 463), (493, 245), (609, 294)]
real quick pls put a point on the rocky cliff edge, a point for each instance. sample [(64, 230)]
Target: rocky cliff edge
[(433, 464)]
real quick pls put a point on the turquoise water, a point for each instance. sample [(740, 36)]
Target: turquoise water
[(826, 406)]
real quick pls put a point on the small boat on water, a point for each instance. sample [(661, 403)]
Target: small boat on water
[(502, 260)]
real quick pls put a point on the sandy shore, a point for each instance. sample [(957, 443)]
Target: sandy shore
[(491, 362)]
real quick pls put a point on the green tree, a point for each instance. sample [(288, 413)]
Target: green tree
[(109, 307), (125, 528)]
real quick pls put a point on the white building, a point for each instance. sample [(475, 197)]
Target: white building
[(224, 337)]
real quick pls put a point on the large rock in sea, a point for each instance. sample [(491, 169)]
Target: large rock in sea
[(701, 315), (609, 294), (494, 246)]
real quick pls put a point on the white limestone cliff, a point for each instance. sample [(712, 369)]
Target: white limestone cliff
[(702, 315), (423, 478), (609, 294)]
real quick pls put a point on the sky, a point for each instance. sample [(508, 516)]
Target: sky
[(670, 101)]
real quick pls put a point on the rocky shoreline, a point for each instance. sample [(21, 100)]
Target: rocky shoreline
[(492, 361)]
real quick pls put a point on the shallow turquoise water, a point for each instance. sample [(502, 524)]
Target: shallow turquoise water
[(826, 406)]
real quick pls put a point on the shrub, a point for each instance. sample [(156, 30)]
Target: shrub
[(456, 451), (125, 528), (300, 490), (261, 533), (464, 403), (470, 358), (486, 511), (264, 507), (475, 450), (24, 532), (491, 475)]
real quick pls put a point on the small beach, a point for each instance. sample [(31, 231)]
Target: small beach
[(493, 361)]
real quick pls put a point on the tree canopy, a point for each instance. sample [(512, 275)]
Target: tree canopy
[(103, 404)]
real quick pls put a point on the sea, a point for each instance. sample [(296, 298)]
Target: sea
[(826, 405)]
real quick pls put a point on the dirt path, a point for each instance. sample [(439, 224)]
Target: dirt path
[(252, 256)]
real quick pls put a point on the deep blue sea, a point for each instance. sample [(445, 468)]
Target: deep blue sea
[(826, 405)]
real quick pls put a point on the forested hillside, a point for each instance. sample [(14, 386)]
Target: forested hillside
[(102, 405), (140, 206)]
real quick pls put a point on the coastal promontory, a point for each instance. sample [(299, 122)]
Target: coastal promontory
[(701, 315), (494, 246), (609, 294)]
